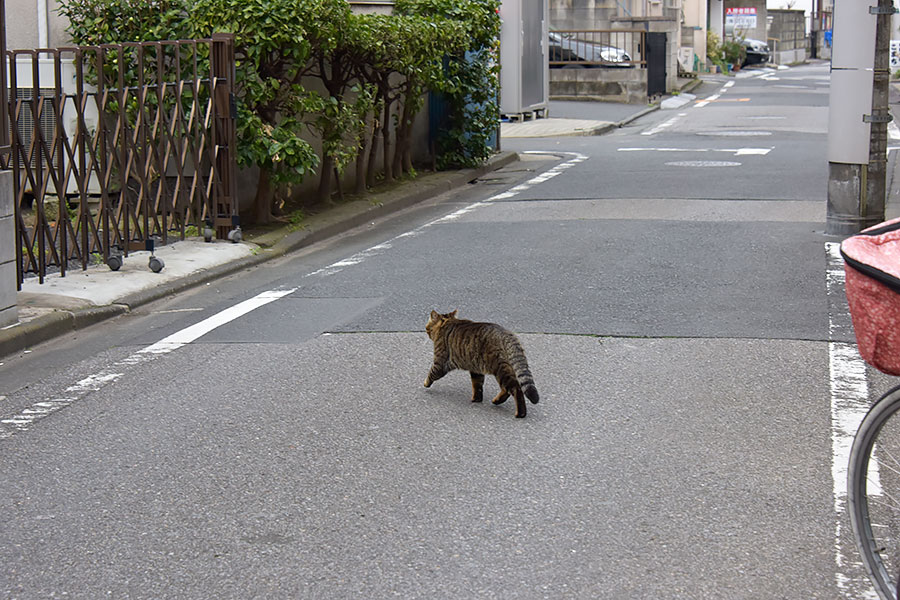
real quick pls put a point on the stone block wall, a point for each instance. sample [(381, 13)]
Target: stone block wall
[(614, 85)]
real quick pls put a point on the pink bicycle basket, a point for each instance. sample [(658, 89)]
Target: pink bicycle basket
[(872, 267)]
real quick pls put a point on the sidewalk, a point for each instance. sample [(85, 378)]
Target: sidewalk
[(82, 298)]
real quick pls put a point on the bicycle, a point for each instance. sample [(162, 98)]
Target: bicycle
[(872, 268)]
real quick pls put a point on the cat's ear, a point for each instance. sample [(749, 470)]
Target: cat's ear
[(435, 314), (452, 315)]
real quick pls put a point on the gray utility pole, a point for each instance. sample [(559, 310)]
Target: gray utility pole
[(858, 115)]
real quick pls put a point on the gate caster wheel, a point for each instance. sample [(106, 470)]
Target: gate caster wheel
[(235, 235), (114, 262), (208, 232), (156, 264)]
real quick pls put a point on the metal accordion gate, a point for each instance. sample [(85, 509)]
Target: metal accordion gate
[(119, 147)]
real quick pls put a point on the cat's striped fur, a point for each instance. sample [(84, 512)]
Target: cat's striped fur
[(482, 349)]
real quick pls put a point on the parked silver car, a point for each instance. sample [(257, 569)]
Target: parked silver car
[(757, 51), (580, 53)]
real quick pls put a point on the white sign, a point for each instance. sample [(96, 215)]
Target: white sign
[(740, 19), (895, 54)]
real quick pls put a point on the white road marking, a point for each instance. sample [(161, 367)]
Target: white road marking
[(849, 403), (664, 125), (25, 419), (703, 103), (189, 334), (735, 133), (703, 163), (735, 151)]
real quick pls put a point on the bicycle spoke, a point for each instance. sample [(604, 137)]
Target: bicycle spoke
[(882, 463)]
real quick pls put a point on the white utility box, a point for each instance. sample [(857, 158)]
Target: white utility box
[(524, 62)]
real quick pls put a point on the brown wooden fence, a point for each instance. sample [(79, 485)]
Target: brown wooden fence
[(119, 147)]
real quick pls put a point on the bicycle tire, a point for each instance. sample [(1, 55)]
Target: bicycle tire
[(873, 493)]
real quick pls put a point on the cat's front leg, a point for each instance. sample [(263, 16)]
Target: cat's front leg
[(477, 386), (437, 371)]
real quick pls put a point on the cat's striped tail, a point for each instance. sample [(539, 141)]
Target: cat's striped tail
[(523, 374)]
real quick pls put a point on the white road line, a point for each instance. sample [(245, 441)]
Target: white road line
[(849, 403), (189, 334), (664, 125), (703, 103), (735, 151), (25, 419)]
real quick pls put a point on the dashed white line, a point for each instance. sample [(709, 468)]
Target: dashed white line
[(664, 125), (706, 101)]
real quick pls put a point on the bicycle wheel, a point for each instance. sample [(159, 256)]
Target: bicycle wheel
[(873, 486)]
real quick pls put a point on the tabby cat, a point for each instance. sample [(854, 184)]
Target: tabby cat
[(482, 349)]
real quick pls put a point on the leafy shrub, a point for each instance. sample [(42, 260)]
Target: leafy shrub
[(449, 46)]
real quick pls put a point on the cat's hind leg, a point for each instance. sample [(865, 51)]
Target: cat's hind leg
[(520, 404), (477, 386), (506, 379), (501, 397)]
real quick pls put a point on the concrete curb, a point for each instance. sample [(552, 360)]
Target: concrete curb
[(637, 116), (54, 324), (283, 241)]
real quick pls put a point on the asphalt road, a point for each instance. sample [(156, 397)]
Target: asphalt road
[(670, 282)]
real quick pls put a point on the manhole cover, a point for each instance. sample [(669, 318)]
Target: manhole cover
[(703, 163)]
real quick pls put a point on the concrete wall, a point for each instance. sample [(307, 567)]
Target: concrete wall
[(716, 17), (22, 25), (8, 277), (382, 7), (582, 14), (615, 85), (788, 57)]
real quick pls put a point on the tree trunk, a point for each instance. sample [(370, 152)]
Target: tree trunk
[(337, 184), (404, 131), (407, 160), (386, 141), (265, 193), (327, 168), (362, 158), (373, 154)]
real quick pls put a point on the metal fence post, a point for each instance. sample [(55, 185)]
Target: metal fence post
[(225, 206)]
